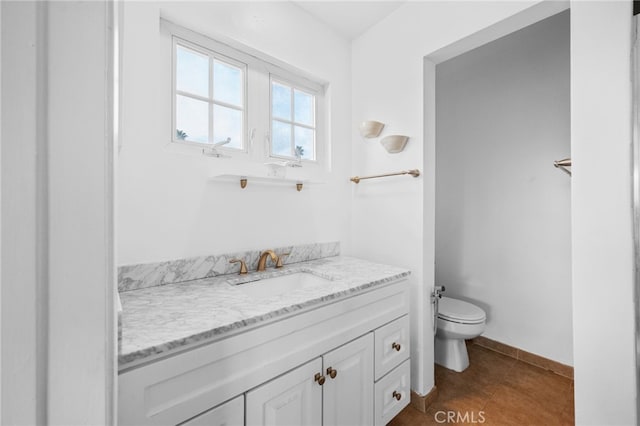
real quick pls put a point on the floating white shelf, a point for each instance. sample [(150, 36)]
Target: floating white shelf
[(245, 180)]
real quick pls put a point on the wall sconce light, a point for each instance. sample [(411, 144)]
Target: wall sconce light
[(394, 143), (371, 129)]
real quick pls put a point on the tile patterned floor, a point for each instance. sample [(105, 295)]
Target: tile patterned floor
[(495, 390)]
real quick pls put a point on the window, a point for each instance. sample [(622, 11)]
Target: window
[(242, 104), (209, 97), (293, 122)]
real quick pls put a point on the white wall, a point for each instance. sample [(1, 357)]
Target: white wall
[(503, 215), (391, 90), (58, 360), (602, 246), (0, 217), (168, 205), (22, 348), (393, 219), (80, 171)]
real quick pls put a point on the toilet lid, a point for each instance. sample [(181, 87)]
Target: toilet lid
[(459, 311)]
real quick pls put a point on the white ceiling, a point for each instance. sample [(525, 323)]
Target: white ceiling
[(350, 18)]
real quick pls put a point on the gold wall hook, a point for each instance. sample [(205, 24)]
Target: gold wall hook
[(563, 164)]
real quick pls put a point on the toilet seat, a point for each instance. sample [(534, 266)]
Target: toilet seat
[(459, 311)]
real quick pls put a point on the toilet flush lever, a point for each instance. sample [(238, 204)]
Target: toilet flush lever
[(438, 290)]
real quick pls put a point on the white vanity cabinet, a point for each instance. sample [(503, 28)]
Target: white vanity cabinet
[(230, 413), (348, 390), (335, 389), (393, 393), (291, 399), (392, 370), (357, 347)]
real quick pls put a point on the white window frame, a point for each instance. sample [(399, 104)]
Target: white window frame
[(210, 99), (294, 86), (257, 101)]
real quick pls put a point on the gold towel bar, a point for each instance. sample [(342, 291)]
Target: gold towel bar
[(563, 164), (412, 172)]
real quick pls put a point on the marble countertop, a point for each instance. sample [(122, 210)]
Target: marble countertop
[(159, 321)]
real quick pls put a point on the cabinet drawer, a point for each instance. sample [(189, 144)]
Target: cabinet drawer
[(392, 394), (391, 345), (230, 413)]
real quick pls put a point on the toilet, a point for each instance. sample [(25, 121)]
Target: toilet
[(457, 321)]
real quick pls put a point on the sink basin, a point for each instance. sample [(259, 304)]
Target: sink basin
[(269, 287)]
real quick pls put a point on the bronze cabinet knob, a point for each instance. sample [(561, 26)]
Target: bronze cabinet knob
[(397, 395), (319, 378), (396, 346), (332, 372)]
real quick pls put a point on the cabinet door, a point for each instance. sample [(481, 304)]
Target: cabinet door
[(230, 413), (294, 399), (348, 397)]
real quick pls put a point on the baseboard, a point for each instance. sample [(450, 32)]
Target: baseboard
[(524, 356), (422, 403)]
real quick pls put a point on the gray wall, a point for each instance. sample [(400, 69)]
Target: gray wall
[(502, 209)]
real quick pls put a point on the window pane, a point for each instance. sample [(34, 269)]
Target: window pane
[(304, 139), (227, 83), (227, 123), (192, 119), (281, 138), (192, 72), (304, 107), (280, 101)]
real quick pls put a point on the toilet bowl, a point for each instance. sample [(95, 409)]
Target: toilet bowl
[(457, 321)]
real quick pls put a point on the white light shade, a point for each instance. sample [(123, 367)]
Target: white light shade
[(394, 143), (370, 129)]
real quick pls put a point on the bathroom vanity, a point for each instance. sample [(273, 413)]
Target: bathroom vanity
[(333, 351)]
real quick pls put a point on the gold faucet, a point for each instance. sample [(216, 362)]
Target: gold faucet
[(262, 263), (243, 265)]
